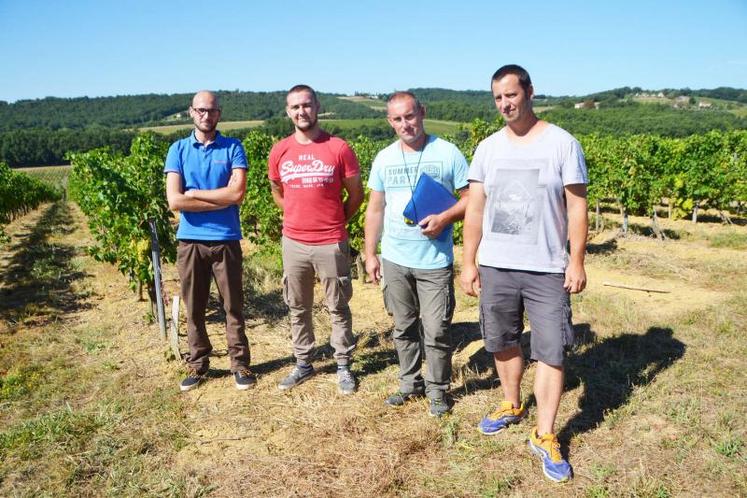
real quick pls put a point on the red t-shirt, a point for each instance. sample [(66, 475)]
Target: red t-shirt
[(312, 176)]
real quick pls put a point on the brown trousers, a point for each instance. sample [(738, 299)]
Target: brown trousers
[(196, 262), (331, 263)]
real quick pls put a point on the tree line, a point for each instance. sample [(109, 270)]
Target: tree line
[(130, 111), (43, 147)]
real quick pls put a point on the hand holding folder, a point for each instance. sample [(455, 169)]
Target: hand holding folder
[(429, 197)]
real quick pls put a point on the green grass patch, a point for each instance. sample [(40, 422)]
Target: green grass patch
[(62, 431), (730, 447), (20, 381), (730, 240), (74, 422)]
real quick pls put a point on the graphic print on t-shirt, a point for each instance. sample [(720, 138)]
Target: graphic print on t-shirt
[(397, 176), (515, 210), (308, 171)]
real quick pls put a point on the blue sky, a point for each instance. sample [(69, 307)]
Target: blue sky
[(95, 48)]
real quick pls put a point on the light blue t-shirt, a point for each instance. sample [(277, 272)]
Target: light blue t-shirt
[(206, 168), (404, 244), (525, 222)]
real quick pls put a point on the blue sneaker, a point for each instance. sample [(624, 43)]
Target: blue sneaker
[(192, 380), (502, 417), (244, 379), (554, 466)]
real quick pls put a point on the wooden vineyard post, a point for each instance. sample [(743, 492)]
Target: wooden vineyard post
[(174, 330), (155, 252)]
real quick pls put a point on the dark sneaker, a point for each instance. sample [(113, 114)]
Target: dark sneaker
[(297, 376), (439, 407), (192, 380), (345, 380), (399, 398), (501, 418), (554, 466), (244, 379)]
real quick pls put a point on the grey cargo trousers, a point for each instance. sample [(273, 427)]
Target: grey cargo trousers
[(422, 305)]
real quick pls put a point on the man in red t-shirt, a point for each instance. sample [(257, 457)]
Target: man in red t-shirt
[(308, 171)]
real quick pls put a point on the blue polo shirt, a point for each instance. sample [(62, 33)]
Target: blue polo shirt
[(206, 168)]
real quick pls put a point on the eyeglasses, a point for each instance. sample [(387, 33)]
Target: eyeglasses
[(202, 111)]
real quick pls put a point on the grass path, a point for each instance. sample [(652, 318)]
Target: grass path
[(655, 399)]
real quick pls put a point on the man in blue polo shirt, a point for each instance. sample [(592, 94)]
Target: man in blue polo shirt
[(206, 182)]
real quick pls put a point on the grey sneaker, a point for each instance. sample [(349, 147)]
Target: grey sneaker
[(297, 376), (439, 407), (399, 398), (192, 380), (345, 380)]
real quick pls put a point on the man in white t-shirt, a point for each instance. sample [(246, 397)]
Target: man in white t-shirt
[(527, 200), (417, 260)]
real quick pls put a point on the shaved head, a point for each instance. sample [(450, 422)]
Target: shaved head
[(396, 96), (205, 96)]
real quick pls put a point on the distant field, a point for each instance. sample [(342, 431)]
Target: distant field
[(376, 104), (224, 125), (440, 127), (436, 126), (732, 106), (653, 100), (53, 175)]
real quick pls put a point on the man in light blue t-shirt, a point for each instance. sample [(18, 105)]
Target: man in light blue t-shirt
[(417, 260)]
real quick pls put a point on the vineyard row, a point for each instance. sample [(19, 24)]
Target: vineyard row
[(119, 193)]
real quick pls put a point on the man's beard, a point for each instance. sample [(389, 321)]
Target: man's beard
[(308, 125), (207, 128)]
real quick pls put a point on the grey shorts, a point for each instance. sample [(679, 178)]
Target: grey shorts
[(506, 294)]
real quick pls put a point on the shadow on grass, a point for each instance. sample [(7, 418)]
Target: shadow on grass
[(266, 306), (40, 275), (648, 231), (611, 369), (366, 361), (463, 334), (606, 247), (716, 220)]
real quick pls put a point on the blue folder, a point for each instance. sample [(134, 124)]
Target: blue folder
[(429, 197)]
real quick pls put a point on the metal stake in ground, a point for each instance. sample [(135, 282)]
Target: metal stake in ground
[(174, 331), (155, 253)]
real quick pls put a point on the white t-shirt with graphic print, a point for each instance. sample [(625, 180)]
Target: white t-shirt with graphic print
[(525, 221)]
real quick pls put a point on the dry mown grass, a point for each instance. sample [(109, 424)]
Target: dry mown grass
[(655, 396)]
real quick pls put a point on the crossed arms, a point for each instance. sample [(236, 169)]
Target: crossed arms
[(205, 200)]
